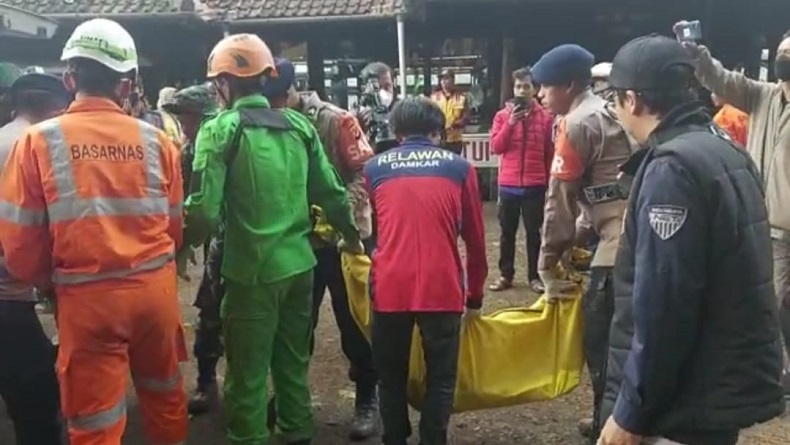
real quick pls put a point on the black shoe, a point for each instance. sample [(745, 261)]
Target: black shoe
[(202, 400), (365, 423)]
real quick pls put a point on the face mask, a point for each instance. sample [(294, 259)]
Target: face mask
[(782, 69)]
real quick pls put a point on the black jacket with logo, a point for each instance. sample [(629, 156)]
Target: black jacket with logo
[(695, 352)]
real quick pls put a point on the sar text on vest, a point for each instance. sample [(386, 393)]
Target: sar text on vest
[(111, 153)]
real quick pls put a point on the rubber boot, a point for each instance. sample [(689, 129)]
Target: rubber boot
[(203, 399), (365, 423)]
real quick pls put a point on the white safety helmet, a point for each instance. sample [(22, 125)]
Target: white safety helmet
[(601, 70), (104, 41)]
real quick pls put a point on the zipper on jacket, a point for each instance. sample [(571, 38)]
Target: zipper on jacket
[(522, 159)]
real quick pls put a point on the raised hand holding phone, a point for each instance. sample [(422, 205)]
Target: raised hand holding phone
[(519, 109), (689, 33)]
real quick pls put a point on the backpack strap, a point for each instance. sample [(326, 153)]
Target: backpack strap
[(255, 118)]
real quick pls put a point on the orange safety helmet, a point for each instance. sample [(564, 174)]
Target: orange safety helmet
[(241, 55)]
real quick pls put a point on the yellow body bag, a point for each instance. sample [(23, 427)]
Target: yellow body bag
[(511, 357)]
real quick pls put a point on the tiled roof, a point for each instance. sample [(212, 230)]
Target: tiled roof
[(231, 9), (264, 9), (108, 7)]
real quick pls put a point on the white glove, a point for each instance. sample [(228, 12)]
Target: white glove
[(556, 288)]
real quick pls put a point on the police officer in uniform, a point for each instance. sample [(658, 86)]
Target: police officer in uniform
[(191, 106), (348, 150), (694, 352), (589, 145)]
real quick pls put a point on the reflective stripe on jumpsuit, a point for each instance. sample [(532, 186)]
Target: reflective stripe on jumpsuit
[(90, 419)]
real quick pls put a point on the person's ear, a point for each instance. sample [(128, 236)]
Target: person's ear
[(124, 88), (633, 103), (69, 81)]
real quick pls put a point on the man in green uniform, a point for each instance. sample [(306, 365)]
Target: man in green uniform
[(257, 169), (192, 106), (8, 74)]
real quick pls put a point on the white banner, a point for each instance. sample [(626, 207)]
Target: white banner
[(477, 150)]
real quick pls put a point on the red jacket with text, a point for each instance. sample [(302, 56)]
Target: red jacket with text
[(423, 199), (525, 148)]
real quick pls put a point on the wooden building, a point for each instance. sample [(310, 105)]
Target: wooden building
[(483, 39)]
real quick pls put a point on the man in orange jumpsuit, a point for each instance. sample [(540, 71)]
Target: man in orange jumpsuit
[(92, 211)]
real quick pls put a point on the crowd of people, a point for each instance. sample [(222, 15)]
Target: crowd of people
[(104, 201)]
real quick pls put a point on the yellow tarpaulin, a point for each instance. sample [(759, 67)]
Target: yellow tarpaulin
[(511, 357)]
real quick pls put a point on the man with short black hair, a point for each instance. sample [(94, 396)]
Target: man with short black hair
[(454, 103), (694, 349), (422, 192), (522, 136)]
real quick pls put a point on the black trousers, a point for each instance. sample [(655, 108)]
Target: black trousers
[(512, 210), (391, 338), (208, 346), (28, 384), (598, 310), (329, 274)]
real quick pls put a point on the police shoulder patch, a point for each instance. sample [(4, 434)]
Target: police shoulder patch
[(666, 220)]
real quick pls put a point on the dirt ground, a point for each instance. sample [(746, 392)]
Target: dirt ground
[(537, 424)]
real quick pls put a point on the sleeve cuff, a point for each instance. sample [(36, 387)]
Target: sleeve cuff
[(474, 304), (630, 417)]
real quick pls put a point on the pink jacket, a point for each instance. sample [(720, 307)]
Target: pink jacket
[(526, 148)]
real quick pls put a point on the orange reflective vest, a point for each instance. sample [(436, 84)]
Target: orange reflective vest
[(93, 195), (735, 122), (453, 107)]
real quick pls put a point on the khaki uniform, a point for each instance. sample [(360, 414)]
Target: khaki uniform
[(347, 149), (590, 144)]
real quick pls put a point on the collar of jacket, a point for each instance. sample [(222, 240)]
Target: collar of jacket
[(579, 99), (252, 101), (416, 142), (677, 121), (691, 113), (94, 103), (310, 104)]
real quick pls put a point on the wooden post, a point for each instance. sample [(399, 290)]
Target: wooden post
[(427, 67), (495, 54), (315, 66), (507, 67)]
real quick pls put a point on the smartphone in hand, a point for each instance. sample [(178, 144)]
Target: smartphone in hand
[(689, 31), (520, 103)]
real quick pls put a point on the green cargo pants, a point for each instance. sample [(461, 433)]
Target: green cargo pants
[(268, 327)]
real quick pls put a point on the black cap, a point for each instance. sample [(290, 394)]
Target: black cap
[(43, 83), (643, 65)]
